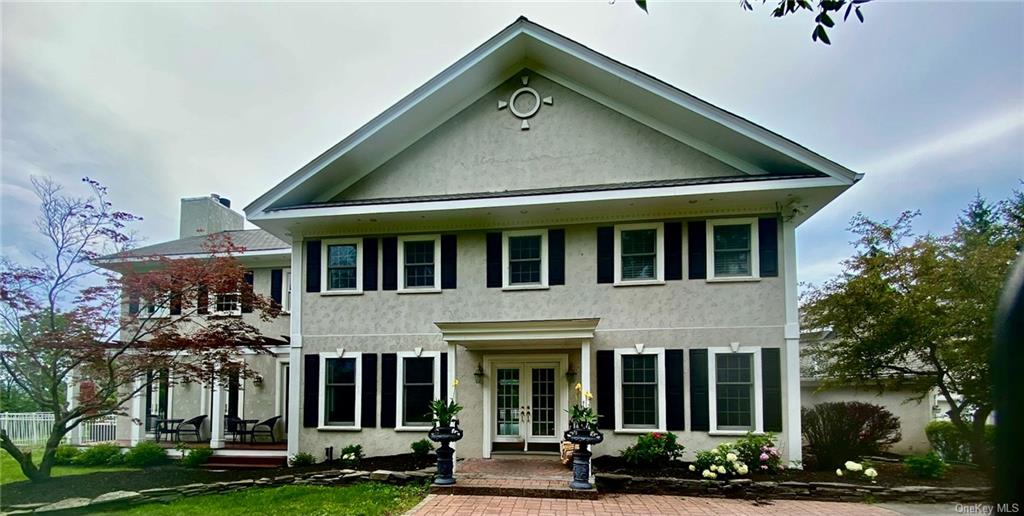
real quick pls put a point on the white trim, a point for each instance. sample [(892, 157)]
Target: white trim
[(286, 290), (489, 394), (281, 390), (400, 387), (755, 256), (661, 391), (436, 287), (157, 256), (659, 254), (791, 401), (758, 407), (505, 264), (324, 280), (295, 348), (321, 423)]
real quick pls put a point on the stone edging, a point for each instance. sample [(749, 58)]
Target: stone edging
[(820, 491), (108, 501)]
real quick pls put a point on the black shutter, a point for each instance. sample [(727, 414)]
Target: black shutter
[(312, 266), (606, 254), (389, 263), (133, 305), (768, 246), (449, 261), (311, 391), (233, 385), (247, 292), (556, 257), (606, 389), (771, 388), (696, 245), (369, 401), (673, 250), (444, 376), (675, 419), (276, 282), (699, 390), (388, 377), (175, 302), (202, 300), (369, 264), (493, 260)]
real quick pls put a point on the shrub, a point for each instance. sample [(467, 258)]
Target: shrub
[(760, 452), (422, 448), (953, 446), (653, 449), (196, 457), (302, 459), (100, 455), (840, 431), (721, 460), (865, 469), (351, 455), (66, 454), (929, 465), (145, 454)]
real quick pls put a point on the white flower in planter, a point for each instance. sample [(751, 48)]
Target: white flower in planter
[(870, 473), (839, 472), (853, 466)]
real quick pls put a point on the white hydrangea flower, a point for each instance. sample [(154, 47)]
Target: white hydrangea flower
[(839, 472), (708, 474), (853, 466), (870, 473), (731, 457), (693, 468)]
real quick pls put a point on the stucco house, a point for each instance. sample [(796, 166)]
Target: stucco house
[(539, 215)]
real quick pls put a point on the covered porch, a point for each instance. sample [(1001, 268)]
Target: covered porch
[(523, 375)]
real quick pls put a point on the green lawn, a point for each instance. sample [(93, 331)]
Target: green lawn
[(10, 471), (368, 499)]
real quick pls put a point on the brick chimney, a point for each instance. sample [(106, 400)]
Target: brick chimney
[(209, 214)]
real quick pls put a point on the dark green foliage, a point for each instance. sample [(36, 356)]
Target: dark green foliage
[(750, 448), (840, 431), (196, 457), (100, 455), (302, 459), (929, 465), (951, 444), (145, 454), (351, 455), (66, 455), (422, 448), (653, 449)]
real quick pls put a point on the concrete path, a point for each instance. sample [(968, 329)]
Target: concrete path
[(623, 505)]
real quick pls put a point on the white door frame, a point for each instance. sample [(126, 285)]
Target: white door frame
[(490, 395)]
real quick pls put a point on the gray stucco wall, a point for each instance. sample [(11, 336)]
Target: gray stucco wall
[(914, 414), (680, 314), (575, 141)]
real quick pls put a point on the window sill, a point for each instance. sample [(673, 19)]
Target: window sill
[(341, 292), (638, 283), (638, 430), (733, 433), (524, 287), (412, 428), (338, 428), (745, 279), (419, 291)]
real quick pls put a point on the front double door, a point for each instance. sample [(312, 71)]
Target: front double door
[(527, 407)]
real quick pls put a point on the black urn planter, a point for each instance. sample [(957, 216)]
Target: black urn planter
[(584, 438), (445, 465)]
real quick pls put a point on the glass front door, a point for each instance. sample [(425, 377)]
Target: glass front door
[(526, 404), (509, 410)]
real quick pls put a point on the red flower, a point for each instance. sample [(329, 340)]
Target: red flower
[(656, 435)]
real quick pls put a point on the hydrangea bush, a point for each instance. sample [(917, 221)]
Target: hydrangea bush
[(722, 460), (653, 449), (858, 468), (751, 453)]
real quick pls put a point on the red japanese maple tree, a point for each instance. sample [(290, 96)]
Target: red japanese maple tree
[(66, 321)]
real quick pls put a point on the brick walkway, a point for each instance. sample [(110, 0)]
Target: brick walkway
[(533, 467), (623, 505)]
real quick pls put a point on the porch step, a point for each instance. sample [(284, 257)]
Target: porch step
[(525, 487), (245, 462)]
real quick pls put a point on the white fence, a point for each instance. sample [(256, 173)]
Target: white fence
[(29, 428)]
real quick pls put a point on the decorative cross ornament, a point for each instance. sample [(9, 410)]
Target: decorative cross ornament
[(534, 107)]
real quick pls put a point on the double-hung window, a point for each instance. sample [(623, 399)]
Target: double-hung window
[(418, 385), (227, 303), (732, 249), (420, 263), (286, 288), (341, 267), (340, 378), (638, 256), (639, 381), (735, 390), (156, 309), (525, 259)]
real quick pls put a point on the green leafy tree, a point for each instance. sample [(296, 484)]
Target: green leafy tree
[(918, 310)]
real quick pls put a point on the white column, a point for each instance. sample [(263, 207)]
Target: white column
[(138, 429), (75, 437), (295, 361), (453, 392), (217, 418), (585, 366), (791, 402)]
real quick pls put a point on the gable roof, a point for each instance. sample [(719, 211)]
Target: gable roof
[(737, 141), (252, 240)]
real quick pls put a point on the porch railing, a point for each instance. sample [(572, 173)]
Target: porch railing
[(31, 428)]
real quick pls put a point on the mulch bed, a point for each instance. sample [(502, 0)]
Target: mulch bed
[(95, 484), (889, 474)]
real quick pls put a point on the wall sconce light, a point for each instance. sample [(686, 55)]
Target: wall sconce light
[(570, 375), (258, 380), (478, 375)]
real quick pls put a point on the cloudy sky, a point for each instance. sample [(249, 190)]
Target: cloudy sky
[(172, 100)]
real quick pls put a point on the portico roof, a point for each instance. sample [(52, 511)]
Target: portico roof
[(548, 333)]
